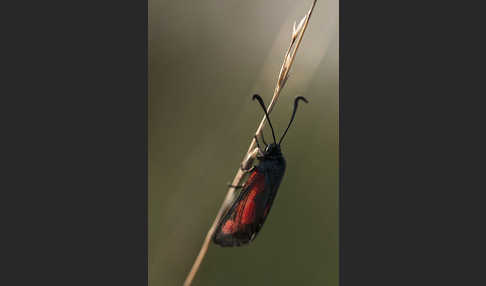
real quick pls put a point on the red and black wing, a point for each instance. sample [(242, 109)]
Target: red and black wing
[(246, 216)]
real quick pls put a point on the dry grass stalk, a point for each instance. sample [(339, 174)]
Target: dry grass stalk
[(297, 34)]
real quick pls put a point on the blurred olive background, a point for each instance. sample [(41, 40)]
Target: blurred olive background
[(206, 59)]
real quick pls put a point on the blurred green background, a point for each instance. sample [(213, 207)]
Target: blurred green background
[(206, 59)]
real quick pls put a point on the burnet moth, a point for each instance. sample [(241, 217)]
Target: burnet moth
[(244, 219)]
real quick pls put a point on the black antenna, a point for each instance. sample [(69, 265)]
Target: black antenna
[(293, 115), (260, 100)]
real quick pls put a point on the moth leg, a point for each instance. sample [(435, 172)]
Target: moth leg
[(245, 165), (248, 170), (236, 187), (258, 144), (259, 149), (263, 139)]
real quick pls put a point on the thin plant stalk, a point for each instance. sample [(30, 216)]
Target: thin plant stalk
[(297, 34)]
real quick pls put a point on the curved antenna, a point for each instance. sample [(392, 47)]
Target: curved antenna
[(293, 115), (260, 100)]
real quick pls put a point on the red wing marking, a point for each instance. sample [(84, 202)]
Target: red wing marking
[(245, 209), (228, 227)]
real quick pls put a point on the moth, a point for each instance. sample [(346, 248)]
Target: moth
[(244, 219)]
